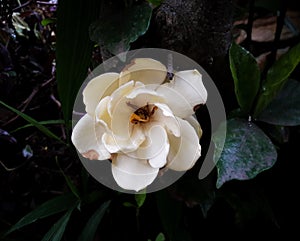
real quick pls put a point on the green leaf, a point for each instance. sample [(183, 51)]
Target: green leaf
[(69, 182), (284, 110), (277, 76), (90, 229), (128, 205), (47, 21), (124, 28), (51, 207), (140, 198), (73, 48), (58, 229), (160, 237), (247, 152), (47, 122), (33, 122), (246, 76)]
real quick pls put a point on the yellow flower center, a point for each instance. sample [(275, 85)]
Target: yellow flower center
[(142, 114)]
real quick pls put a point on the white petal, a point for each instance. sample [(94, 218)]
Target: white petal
[(132, 174), (155, 147), (84, 138), (175, 101), (98, 88), (114, 144), (120, 94), (194, 123), (184, 150), (142, 96), (102, 114), (165, 116), (190, 85), (146, 70)]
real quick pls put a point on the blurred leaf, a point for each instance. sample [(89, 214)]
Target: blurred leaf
[(160, 237), (47, 122), (53, 206), (47, 21), (276, 77), (33, 122), (90, 228), (155, 3), (73, 48), (284, 110), (140, 198), (129, 205), (58, 229), (280, 134), (27, 152), (124, 28), (247, 152), (246, 76), (20, 25)]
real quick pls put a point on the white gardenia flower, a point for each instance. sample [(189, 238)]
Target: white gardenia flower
[(141, 122)]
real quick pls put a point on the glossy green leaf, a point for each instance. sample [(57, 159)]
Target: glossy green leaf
[(247, 152), (58, 229), (90, 228), (47, 21), (284, 110), (73, 48), (116, 31), (33, 122), (140, 198), (51, 207), (246, 76), (276, 77)]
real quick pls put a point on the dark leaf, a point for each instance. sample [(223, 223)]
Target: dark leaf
[(73, 48), (246, 76), (276, 77), (124, 28), (284, 110), (33, 122), (90, 228), (247, 152), (58, 229), (140, 198), (53, 206)]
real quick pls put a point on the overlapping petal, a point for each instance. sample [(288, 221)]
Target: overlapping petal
[(84, 138), (131, 173), (146, 70), (98, 88), (184, 150)]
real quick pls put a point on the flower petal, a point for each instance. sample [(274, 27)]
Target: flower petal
[(98, 88), (194, 123), (114, 144), (146, 70), (120, 94), (184, 150), (175, 101), (165, 116), (154, 146), (190, 85), (102, 114), (132, 174), (84, 139), (142, 96)]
